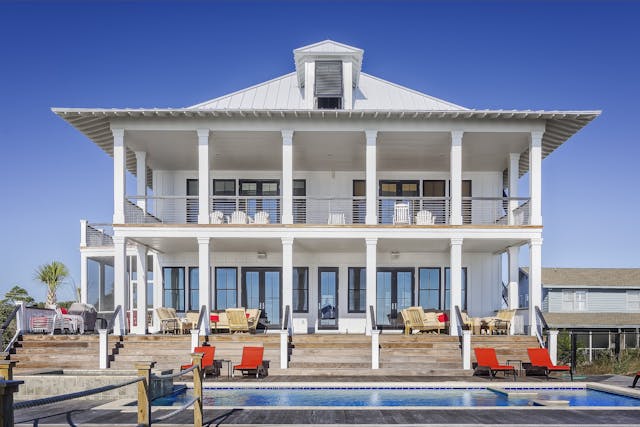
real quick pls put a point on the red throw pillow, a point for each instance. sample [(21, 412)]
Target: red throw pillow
[(63, 310), (442, 317)]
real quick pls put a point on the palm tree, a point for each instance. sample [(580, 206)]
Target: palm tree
[(52, 276)]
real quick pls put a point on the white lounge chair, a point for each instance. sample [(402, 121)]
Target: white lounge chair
[(238, 217), (401, 213), (425, 218), (261, 217), (336, 218), (217, 217)]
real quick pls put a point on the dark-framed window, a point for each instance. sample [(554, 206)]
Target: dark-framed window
[(173, 288), (192, 202), (429, 288), (224, 187), (259, 187), (300, 289), (359, 209), (194, 288), (437, 205), (299, 201), (226, 287), (357, 293), (447, 288), (398, 188)]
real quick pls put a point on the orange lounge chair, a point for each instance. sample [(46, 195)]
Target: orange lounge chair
[(487, 360), (540, 360), (209, 365), (252, 362)]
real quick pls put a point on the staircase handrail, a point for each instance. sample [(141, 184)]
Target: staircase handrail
[(112, 320), (285, 320), (5, 325), (541, 326), (202, 317), (372, 315)]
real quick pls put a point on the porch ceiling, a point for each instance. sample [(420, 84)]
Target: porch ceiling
[(324, 151)]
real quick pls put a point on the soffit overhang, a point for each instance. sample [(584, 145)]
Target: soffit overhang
[(95, 124)]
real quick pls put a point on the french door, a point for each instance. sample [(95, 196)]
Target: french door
[(328, 298), (262, 288), (394, 292)]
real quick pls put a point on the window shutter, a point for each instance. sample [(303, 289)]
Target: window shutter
[(328, 78)]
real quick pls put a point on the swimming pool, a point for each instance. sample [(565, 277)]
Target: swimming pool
[(281, 396)]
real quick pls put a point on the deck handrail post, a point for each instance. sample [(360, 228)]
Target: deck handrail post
[(552, 345), (144, 393), (20, 318), (7, 388), (375, 349), (6, 369), (284, 349), (196, 360), (103, 346), (466, 349)]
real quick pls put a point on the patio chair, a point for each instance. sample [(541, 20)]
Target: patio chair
[(217, 217), (415, 319), (541, 361), (238, 217), (488, 361), (209, 365), (252, 362), (253, 316), (261, 217), (168, 322), (401, 213), (498, 324), (336, 218), (238, 321), (425, 218), (220, 322)]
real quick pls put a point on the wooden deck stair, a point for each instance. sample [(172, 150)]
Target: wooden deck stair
[(36, 352), (421, 355), (507, 346)]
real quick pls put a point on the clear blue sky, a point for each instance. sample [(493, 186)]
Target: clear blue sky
[(521, 55)]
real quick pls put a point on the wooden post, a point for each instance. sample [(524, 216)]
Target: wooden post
[(6, 369), (196, 360), (144, 391), (7, 388)]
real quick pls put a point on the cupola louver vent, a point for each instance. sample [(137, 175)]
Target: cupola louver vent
[(328, 79)]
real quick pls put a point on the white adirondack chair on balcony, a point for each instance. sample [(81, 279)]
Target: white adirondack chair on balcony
[(238, 217), (336, 218), (425, 217), (261, 217), (217, 217), (401, 213)]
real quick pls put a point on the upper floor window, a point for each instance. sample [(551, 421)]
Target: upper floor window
[(328, 84), (633, 300), (574, 300)]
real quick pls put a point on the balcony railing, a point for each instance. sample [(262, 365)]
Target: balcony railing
[(327, 210), (437, 210), (99, 235)]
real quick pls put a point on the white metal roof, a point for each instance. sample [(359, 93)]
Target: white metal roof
[(284, 93)]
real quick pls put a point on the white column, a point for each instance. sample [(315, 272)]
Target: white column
[(119, 169), (514, 171), (204, 267), (203, 176), (535, 281), (141, 179), (456, 177), (287, 277), (535, 177), (456, 284), (84, 280), (120, 297), (157, 290), (372, 275), (347, 85), (309, 83), (371, 175), (287, 177), (514, 276), (141, 294)]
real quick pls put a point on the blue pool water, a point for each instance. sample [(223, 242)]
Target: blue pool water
[(391, 396)]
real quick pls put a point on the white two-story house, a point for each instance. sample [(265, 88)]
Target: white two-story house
[(326, 190)]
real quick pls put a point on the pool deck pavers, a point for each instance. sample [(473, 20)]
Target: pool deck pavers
[(432, 417)]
